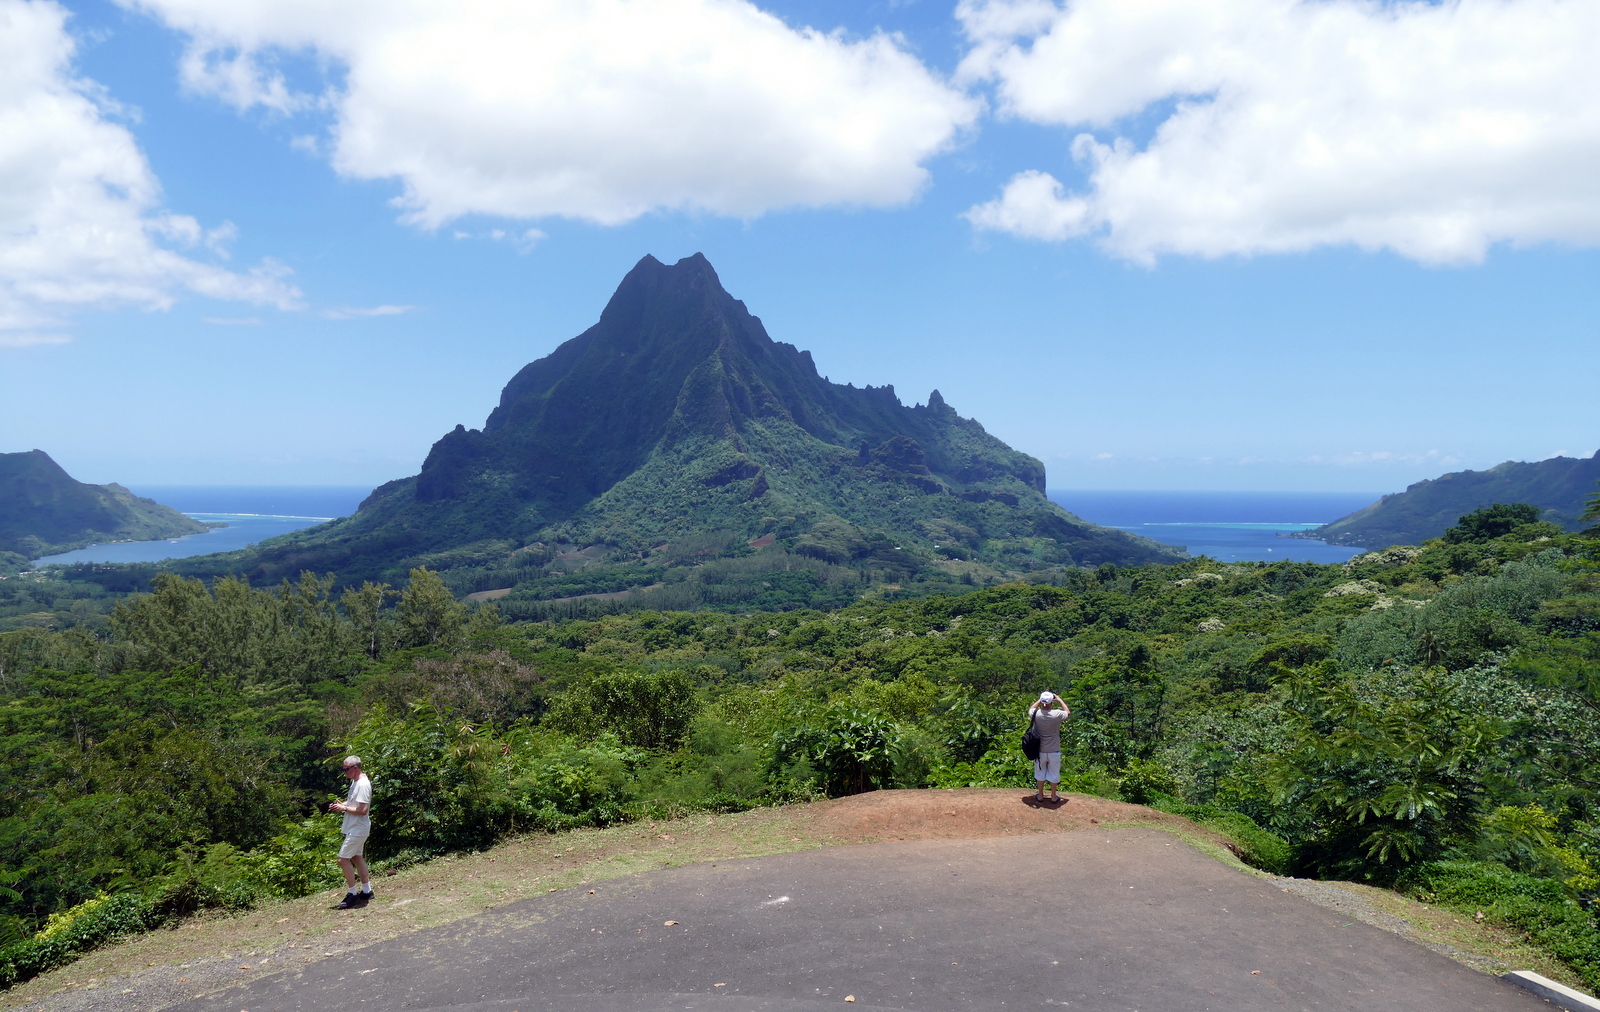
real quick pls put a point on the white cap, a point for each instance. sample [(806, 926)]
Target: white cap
[(352, 760), (1045, 697)]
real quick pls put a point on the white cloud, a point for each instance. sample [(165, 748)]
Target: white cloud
[(1430, 129), (23, 339), (602, 110), (80, 217), (363, 312), (1365, 458)]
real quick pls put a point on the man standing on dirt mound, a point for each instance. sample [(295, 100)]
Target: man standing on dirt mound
[(1047, 714)]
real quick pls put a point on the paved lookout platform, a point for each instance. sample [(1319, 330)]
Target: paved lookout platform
[(1121, 919)]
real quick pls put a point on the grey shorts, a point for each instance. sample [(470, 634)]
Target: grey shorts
[(354, 846)]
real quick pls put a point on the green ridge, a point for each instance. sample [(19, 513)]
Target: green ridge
[(1557, 486), (43, 511)]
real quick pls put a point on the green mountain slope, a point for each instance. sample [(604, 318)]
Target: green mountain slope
[(1558, 486), (43, 511), (677, 415)]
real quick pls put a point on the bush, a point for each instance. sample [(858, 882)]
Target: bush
[(1008, 767), (1538, 907), (218, 878), (850, 752), (440, 785), (554, 782), (1253, 845), (75, 931), (717, 772), (650, 711), (297, 862), (1141, 781)]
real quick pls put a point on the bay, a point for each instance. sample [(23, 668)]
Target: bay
[(1226, 526), (243, 530), (253, 513)]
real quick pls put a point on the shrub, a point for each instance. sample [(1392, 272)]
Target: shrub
[(217, 878), (555, 782), (441, 785), (850, 752), (1001, 767), (643, 710), (1253, 845), (297, 862), (1538, 907), (1141, 781), (70, 933), (1008, 767)]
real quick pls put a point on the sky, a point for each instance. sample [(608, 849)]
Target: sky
[(1238, 245)]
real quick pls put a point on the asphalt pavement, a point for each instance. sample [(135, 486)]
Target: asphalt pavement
[(1130, 920)]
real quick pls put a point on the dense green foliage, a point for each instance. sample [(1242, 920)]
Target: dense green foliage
[(1427, 718), (44, 511), (1556, 487)]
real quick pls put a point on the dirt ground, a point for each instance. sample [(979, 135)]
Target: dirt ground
[(972, 813), (212, 951)]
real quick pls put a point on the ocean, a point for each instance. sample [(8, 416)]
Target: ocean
[(1228, 526), (252, 512)]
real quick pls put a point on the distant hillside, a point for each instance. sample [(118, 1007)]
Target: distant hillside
[(1558, 486), (43, 511), (676, 415)]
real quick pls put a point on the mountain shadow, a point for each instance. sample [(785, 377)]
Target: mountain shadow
[(1558, 486), (677, 415), (43, 511)]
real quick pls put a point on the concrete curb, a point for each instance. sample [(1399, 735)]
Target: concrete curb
[(1560, 994)]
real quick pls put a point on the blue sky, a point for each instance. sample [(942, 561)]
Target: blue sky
[(1264, 271)]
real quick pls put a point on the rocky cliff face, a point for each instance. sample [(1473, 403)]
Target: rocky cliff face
[(677, 413), (43, 511), (1558, 486)]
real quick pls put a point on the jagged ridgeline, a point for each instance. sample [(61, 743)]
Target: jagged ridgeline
[(677, 416)]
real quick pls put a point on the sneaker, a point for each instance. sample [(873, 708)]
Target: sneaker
[(365, 897), (351, 901)]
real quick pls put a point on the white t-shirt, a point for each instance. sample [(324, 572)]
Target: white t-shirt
[(358, 825)]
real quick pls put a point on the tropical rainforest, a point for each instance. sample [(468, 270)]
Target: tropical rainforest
[(1424, 718)]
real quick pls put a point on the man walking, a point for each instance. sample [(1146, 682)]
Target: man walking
[(357, 826), (1047, 714)]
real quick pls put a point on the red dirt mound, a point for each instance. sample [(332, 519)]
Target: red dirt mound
[(967, 814)]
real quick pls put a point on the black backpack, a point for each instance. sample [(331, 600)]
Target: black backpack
[(1030, 739)]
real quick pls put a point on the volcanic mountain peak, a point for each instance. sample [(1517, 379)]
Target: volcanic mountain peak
[(676, 413)]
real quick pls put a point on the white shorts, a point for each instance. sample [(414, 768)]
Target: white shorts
[(1047, 767), (356, 846)]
